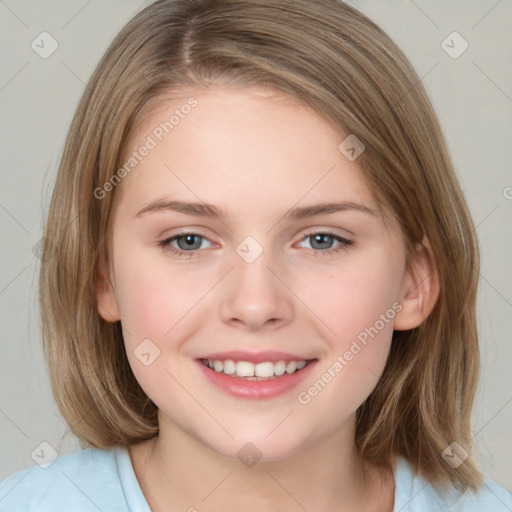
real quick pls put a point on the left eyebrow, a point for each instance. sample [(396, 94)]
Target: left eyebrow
[(209, 210), (323, 208)]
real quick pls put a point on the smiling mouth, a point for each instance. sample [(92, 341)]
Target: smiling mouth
[(246, 370)]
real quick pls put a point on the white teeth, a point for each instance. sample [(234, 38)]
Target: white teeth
[(245, 369), (280, 368), (291, 367), (264, 370), (229, 367)]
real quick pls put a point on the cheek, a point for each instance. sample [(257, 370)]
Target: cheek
[(358, 304), (152, 302), (153, 299), (353, 298)]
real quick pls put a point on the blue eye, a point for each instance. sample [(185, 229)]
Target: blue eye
[(322, 242), (187, 243)]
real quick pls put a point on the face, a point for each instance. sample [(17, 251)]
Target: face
[(222, 251)]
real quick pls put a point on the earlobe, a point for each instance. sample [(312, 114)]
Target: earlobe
[(108, 307), (420, 289)]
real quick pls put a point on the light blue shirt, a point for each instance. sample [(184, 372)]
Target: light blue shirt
[(104, 480)]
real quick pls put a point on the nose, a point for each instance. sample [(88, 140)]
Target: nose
[(254, 296)]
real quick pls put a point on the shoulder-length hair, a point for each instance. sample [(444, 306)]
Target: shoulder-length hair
[(334, 59)]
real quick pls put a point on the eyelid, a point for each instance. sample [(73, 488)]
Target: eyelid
[(327, 231), (198, 234)]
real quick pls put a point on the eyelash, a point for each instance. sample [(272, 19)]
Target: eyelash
[(344, 243)]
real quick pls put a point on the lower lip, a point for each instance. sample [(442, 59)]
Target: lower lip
[(256, 389)]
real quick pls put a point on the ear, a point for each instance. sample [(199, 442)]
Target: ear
[(108, 307), (420, 289)]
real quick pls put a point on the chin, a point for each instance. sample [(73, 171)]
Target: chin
[(257, 448)]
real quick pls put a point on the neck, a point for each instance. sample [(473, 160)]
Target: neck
[(176, 470)]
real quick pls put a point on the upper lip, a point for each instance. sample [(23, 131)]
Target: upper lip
[(255, 357)]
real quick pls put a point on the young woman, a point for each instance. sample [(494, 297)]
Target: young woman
[(259, 276)]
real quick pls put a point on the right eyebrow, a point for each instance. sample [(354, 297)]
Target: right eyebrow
[(196, 209)]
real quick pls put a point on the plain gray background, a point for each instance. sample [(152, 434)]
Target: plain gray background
[(472, 94)]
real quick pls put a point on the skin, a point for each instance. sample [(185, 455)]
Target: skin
[(255, 154)]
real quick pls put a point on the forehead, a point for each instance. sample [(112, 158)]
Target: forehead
[(250, 147)]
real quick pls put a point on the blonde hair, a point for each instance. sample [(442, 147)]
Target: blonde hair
[(333, 58)]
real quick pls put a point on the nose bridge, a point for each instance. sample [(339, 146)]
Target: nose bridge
[(254, 296)]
